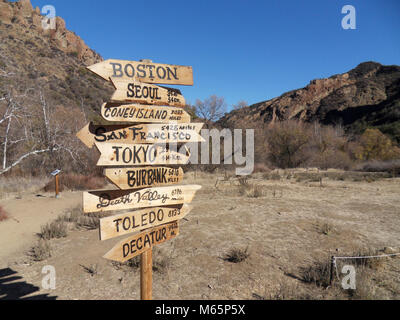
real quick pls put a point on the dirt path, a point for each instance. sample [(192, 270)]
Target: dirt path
[(27, 215), (283, 231)]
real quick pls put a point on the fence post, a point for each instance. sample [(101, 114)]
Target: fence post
[(333, 265)]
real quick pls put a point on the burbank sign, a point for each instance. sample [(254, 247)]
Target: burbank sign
[(151, 131)]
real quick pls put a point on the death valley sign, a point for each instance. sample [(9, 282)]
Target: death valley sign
[(144, 123)]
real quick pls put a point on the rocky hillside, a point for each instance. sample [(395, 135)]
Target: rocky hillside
[(367, 96), (52, 60)]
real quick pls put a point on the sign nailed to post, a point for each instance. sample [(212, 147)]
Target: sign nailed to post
[(160, 126), (143, 71), (138, 92), (137, 244), (120, 154), (56, 172), (110, 200), (143, 114), (143, 177), (144, 133), (126, 223)]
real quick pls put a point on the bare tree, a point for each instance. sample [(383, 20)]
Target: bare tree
[(240, 105), (211, 109), (29, 127)]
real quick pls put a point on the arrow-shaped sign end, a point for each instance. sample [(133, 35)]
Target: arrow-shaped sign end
[(99, 69), (85, 136)]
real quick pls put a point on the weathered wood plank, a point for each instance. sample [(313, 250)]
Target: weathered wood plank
[(136, 221), (137, 244), (120, 154), (143, 114), (138, 92), (144, 177), (147, 72), (112, 200), (144, 133)]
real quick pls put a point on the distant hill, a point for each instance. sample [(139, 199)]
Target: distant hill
[(366, 96), (52, 60)]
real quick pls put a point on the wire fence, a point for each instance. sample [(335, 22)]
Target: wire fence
[(334, 264)]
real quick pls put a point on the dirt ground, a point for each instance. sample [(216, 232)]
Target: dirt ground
[(290, 226)]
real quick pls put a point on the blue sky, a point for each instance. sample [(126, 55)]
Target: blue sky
[(239, 49)]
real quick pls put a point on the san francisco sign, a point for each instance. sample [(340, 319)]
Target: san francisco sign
[(144, 133), (140, 150)]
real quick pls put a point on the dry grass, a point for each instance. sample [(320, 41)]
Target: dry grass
[(274, 176), (368, 274), (131, 264), (12, 185), (252, 191), (80, 220), (249, 190), (289, 291), (3, 214), (56, 229), (376, 264), (73, 181), (92, 269), (318, 273), (325, 228), (236, 255), (41, 251)]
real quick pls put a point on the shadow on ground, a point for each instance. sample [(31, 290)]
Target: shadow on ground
[(11, 288)]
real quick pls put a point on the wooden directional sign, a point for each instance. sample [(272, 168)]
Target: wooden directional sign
[(120, 154), (111, 200), (144, 177), (137, 244), (126, 223), (143, 114), (144, 133), (139, 92), (148, 72)]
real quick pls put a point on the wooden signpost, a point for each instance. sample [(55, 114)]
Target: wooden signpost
[(56, 174), (142, 113), (133, 178), (111, 200), (144, 133), (120, 154), (138, 92), (147, 72), (125, 223), (137, 155), (139, 243)]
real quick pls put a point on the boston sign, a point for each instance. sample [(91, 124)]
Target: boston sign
[(148, 72)]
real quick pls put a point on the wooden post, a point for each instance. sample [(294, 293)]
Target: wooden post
[(146, 275), (56, 186)]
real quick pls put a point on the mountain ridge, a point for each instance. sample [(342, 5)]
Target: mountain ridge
[(366, 96)]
